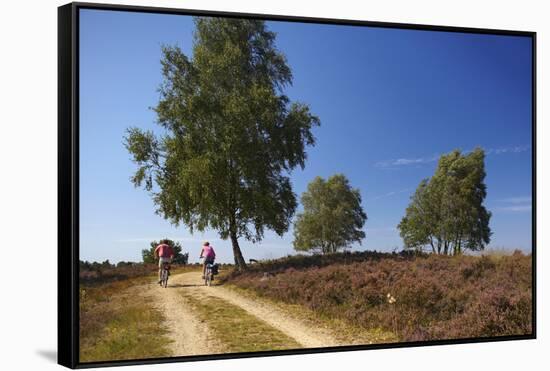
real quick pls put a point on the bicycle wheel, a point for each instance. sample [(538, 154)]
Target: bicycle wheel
[(207, 277), (164, 278)]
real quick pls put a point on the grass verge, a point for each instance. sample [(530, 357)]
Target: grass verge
[(118, 322), (236, 329)]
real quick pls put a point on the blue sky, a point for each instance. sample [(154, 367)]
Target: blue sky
[(390, 101)]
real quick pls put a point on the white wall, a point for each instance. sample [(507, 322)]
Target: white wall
[(28, 150)]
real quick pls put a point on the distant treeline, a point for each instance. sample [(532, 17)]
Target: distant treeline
[(102, 272), (94, 272), (96, 266)]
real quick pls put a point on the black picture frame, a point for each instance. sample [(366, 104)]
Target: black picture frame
[(68, 181)]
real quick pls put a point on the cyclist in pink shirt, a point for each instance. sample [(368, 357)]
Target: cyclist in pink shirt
[(208, 254), (165, 254)]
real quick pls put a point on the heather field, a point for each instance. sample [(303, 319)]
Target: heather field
[(426, 297)]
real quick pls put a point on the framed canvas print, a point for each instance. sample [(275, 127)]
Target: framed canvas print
[(243, 185)]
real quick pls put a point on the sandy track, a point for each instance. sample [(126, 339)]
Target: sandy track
[(190, 334)]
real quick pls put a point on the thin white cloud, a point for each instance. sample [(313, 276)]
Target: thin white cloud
[(406, 161), (515, 204), (500, 151), (517, 208), (400, 162), (389, 194), (517, 200)]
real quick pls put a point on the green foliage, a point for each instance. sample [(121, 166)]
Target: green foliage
[(333, 217), (148, 256), (446, 212), (231, 136), (179, 258)]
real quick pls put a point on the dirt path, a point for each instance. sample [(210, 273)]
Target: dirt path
[(191, 336)]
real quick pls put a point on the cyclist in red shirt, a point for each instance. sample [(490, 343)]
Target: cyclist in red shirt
[(164, 253)]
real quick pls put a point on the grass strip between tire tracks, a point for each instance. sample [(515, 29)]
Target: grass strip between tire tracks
[(236, 329)]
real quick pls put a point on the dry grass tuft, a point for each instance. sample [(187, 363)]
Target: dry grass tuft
[(117, 322)]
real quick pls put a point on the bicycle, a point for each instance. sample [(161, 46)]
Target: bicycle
[(164, 273), (208, 275)]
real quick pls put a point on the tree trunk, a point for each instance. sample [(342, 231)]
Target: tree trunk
[(432, 244), (457, 244), (240, 264), (324, 248)]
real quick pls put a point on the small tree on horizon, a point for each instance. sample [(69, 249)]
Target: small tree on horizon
[(446, 213), (230, 137), (148, 255), (333, 217)]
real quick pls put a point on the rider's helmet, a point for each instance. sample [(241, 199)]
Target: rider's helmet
[(206, 243)]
